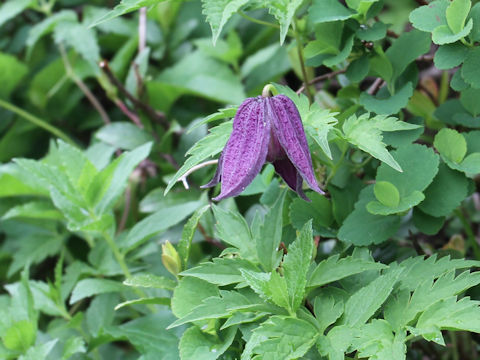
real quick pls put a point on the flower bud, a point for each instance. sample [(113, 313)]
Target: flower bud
[(170, 258)]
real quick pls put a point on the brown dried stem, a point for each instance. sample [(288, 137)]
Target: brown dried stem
[(155, 115)]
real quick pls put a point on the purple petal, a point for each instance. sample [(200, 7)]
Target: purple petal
[(291, 176), (246, 149), (288, 128), (218, 174)]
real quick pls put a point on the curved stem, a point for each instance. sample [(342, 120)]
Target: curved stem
[(37, 121), (301, 59), (257, 21)]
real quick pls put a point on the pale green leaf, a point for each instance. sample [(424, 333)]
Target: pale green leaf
[(429, 17), (150, 281), (188, 233), (123, 8), (296, 264), (89, 287), (271, 235), (283, 11), (198, 345), (221, 271), (284, 338), (333, 269), (218, 12)]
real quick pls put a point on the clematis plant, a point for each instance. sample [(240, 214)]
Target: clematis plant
[(265, 129)]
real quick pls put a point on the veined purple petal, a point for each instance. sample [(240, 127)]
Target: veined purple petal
[(289, 173), (288, 128), (218, 175), (246, 149)]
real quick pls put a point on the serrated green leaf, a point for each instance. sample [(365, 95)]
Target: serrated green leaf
[(328, 10), (419, 164), (443, 35), (445, 193), (457, 13), (188, 233), (39, 351), (363, 228), (284, 338), (283, 11), (366, 133), (47, 26), (221, 271), (470, 68), (158, 222), (222, 306), (209, 146), (271, 235), (123, 8), (408, 47), (377, 341), (327, 310), (390, 105), (144, 301), (427, 224), (88, 287), (34, 210), (218, 12), (198, 345), (406, 203), (233, 229), (362, 305), (12, 8), (296, 264), (189, 294), (334, 269), (429, 17), (110, 183), (150, 281), (82, 39), (450, 55), (319, 210), (451, 314)]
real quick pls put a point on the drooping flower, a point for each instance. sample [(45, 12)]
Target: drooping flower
[(265, 129)]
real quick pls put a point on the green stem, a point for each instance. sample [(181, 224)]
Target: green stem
[(257, 21), (37, 121), (118, 255), (468, 230), (301, 59), (336, 166), (453, 336), (121, 261)]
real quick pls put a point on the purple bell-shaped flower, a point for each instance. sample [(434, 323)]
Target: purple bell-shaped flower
[(265, 129)]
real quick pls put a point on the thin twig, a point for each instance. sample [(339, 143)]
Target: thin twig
[(321, 78), (183, 178), (130, 114), (151, 112), (84, 88), (142, 29), (209, 239), (126, 210), (376, 85), (421, 2), (302, 62)]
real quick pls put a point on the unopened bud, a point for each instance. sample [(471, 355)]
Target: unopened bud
[(170, 258)]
